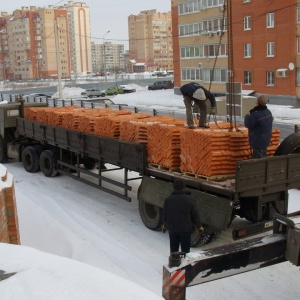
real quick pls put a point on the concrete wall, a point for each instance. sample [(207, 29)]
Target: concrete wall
[(9, 227)]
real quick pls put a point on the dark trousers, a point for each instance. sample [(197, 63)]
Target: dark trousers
[(259, 153), (180, 238)]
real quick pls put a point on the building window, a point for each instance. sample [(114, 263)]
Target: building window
[(270, 20), (189, 74), (245, 1), (247, 77), (247, 23), (298, 76), (270, 49), (298, 45), (298, 13), (247, 50), (270, 78)]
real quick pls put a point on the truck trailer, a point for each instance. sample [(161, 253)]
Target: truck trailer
[(258, 189)]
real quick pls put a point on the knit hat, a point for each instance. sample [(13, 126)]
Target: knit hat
[(178, 184), (262, 100)]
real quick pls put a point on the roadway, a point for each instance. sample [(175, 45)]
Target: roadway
[(286, 128)]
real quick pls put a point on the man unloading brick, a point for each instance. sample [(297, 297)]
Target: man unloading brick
[(179, 217), (195, 93), (259, 123)]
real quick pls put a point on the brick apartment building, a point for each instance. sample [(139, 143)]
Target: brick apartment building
[(265, 45), (150, 40), (28, 42)]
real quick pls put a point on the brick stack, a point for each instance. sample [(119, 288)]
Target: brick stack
[(9, 227), (110, 125), (211, 153), (205, 152), (136, 131), (164, 145)]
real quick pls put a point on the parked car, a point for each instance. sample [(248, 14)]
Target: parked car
[(159, 74), (36, 95), (161, 85), (114, 90), (93, 93), (127, 89)]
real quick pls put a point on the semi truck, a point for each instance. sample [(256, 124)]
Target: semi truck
[(258, 190)]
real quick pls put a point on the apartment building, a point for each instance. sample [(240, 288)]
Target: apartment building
[(107, 56), (264, 43), (79, 37), (200, 53), (30, 43), (266, 48), (150, 39), (31, 37)]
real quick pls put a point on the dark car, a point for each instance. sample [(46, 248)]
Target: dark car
[(161, 85), (159, 74), (93, 93), (37, 96)]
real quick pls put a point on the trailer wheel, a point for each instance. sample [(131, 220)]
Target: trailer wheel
[(30, 159), (89, 163), (291, 144), (151, 215), (3, 150), (200, 239), (48, 163)]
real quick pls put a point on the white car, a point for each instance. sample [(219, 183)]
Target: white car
[(127, 89), (93, 93)]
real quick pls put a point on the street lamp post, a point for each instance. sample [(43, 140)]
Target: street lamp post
[(104, 57)]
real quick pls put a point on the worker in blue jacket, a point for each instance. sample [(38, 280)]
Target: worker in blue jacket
[(259, 122), (202, 98)]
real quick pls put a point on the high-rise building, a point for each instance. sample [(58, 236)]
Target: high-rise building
[(150, 39), (31, 37), (107, 56), (79, 37)]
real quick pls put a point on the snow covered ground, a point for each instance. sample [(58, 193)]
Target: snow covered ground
[(81, 243)]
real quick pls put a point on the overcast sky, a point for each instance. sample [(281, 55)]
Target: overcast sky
[(109, 15)]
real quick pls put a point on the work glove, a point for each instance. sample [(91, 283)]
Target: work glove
[(212, 111), (201, 229), (164, 228)]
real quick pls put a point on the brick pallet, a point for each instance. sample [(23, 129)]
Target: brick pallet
[(203, 152)]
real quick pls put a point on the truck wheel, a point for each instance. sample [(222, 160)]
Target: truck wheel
[(291, 144), (89, 163), (48, 163), (3, 150), (30, 159), (200, 239), (151, 215)]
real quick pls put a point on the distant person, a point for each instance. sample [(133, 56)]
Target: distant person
[(195, 93), (179, 217), (259, 122)]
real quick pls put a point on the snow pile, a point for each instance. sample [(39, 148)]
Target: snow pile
[(69, 93)]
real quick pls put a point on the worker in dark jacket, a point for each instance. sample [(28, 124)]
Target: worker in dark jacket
[(259, 122), (179, 217), (195, 93)]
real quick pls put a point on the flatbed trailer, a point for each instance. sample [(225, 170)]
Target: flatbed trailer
[(258, 190)]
